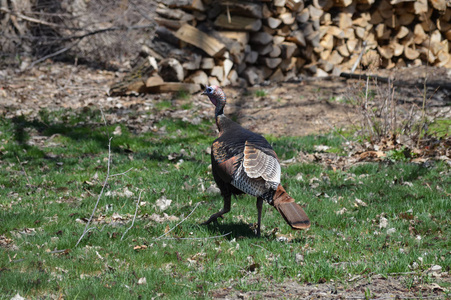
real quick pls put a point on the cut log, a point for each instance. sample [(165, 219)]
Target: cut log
[(277, 76), (288, 64), (185, 4), (398, 49), (227, 65), (297, 37), (324, 5), (443, 57), (218, 72), (343, 50), (327, 42), (276, 51), (207, 63), (253, 75), (295, 5), (405, 19), (213, 81), (344, 20), (335, 58), (343, 3), (385, 51), (284, 30), (263, 49), (315, 13), (193, 36), (239, 36), (261, 38), (167, 35), (303, 16), (173, 24), (279, 3), (273, 22), (238, 23), (193, 63), (420, 6), (198, 77), (382, 32), (351, 45), (277, 39), (154, 80), (251, 57), (288, 49), (336, 32), (376, 18), (233, 77), (272, 63), (169, 87), (402, 32), (287, 18), (419, 36), (410, 53), (170, 69), (370, 59), (247, 9), (174, 13)]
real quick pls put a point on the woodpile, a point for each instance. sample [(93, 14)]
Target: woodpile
[(204, 42)]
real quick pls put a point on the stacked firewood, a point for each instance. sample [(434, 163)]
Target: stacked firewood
[(200, 42)]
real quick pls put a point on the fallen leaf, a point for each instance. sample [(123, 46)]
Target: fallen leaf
[(341, 211), (163, 203), (142, 280), (360, 202)]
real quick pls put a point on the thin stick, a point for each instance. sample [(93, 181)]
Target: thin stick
[(179, 222), (123, 173), (134, 217), (23, 169), (100, 195), (204, 238)]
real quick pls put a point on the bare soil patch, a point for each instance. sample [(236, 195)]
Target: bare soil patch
[(299, 108)]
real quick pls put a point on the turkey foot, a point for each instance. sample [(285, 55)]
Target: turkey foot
[(226, 209), (213, 218)]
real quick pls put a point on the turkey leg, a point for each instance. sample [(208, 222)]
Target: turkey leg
[(259, 209), (226, 209)]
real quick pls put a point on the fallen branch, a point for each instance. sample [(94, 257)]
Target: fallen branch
[(23, 169), (194, 238), (86, 230), (179, 222), (134, 217)]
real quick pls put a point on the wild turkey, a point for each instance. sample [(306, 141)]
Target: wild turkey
[(244, 162)]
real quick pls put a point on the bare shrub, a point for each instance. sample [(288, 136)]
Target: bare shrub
[(96, 31)]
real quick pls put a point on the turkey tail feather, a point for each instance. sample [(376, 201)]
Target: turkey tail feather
[(292, 212)]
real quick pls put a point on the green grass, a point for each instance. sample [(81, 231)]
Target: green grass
[(63, 164), (261, 93)]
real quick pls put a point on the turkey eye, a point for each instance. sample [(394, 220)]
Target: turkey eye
[(210, 90)]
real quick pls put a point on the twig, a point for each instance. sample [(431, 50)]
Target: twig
[(123, 173), (29, 19), (53, 54), (359, 58), (134, 217), (100, 195), (179, 222), (194, 238), (23, 169)]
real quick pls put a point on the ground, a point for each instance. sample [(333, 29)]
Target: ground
[(309, 106), (294, 109)]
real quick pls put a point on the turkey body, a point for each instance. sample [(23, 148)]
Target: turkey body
[(244, 162)]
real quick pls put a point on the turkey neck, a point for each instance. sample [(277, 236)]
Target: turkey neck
[(221, 119)]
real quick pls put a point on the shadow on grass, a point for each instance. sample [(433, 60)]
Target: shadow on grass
[(238, 230)]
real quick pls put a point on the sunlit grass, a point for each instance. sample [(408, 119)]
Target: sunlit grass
[(47, 197)]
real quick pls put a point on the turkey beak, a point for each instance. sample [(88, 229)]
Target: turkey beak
[(204, 92)]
